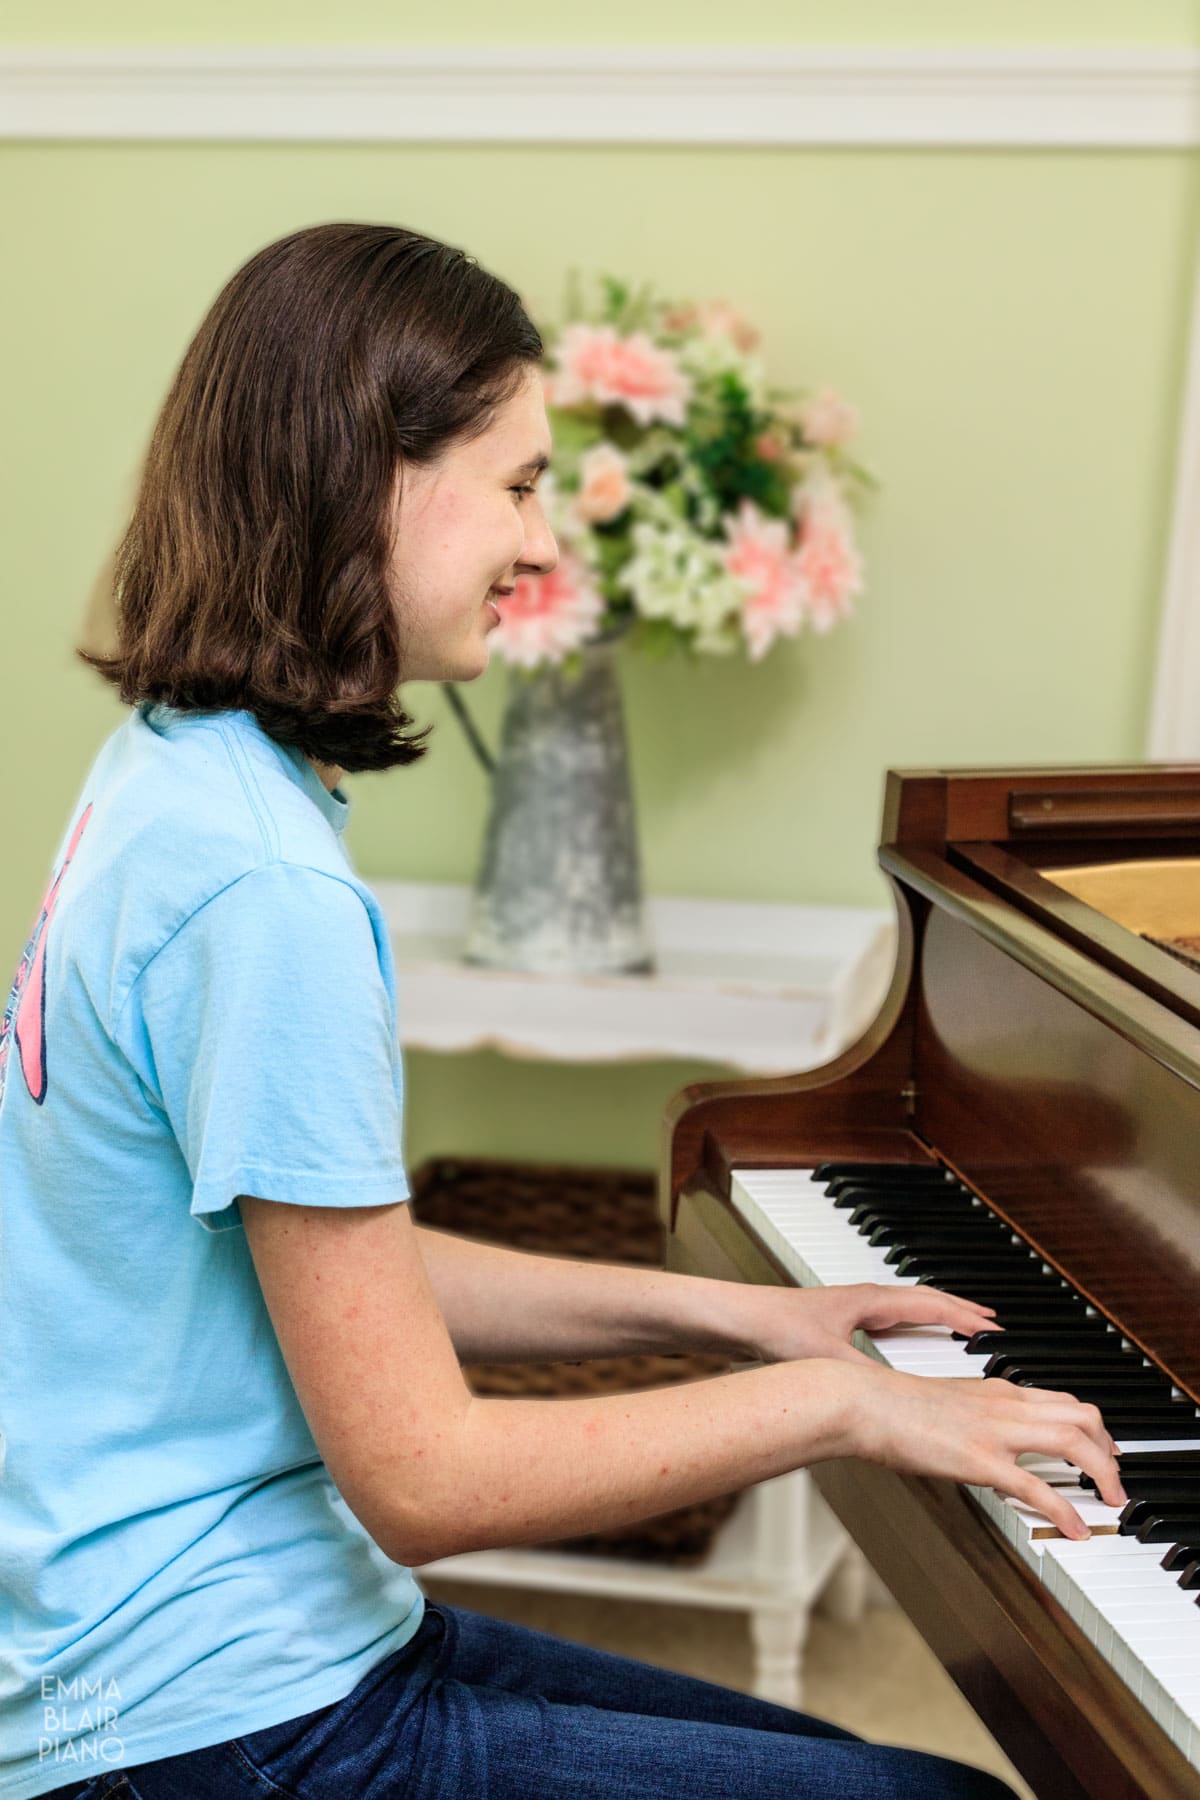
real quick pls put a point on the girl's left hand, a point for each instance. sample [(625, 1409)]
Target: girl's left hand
[(787, 1323)]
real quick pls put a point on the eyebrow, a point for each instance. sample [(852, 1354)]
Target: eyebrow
[(534, 466)]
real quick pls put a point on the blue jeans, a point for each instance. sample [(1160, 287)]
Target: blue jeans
[(473, 1708)]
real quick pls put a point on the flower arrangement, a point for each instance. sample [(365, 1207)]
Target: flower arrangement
[(694, 506)]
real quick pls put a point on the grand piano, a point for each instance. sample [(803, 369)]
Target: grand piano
[(1021, 1123)]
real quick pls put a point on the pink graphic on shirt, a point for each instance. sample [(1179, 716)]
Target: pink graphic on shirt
[(25, 1014)]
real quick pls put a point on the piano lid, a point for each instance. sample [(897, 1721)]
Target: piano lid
[(1107, 859)]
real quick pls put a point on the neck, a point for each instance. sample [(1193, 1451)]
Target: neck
[(329, 772)]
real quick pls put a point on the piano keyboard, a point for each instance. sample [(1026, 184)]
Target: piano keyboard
[(901, 1224)]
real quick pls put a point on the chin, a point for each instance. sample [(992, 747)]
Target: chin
[(474, 664)]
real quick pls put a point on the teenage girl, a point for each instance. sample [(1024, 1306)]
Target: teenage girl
[(232, 1411)]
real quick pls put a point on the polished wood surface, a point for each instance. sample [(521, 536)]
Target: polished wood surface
[(1051, 1056)]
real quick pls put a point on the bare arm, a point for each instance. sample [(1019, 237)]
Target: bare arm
[(430, 1469), (516, 1305)]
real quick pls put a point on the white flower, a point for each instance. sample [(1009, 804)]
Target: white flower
[(678, 575), (707, 358)]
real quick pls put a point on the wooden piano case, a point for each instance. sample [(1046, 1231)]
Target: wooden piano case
[(1042, 1038)]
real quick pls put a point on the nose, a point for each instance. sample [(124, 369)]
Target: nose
[(540, 554)]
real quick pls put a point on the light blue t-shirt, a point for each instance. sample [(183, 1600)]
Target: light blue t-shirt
[(205, 1008)]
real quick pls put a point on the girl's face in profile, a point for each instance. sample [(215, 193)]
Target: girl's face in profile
[(466, 527)]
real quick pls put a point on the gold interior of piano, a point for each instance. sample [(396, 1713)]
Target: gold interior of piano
[(1158, 897)]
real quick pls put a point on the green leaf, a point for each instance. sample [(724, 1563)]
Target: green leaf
[(859, 474), (616, 295)]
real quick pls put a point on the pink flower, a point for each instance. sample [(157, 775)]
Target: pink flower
[(826, 559), (827, 419), (548, 615), (719, 319), (605, 486), (716, 318), (595, 364), (681, 318), (770, 447), (760, 553)]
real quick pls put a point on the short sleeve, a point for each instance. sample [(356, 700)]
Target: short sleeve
[(271, 1034)]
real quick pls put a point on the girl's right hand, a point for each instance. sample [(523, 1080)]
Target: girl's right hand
[(974, 1431)]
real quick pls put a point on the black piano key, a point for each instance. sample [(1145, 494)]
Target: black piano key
[(1044, 1360), (846, 1195), (1009, 1287), (946, 1202), (1053, 1327), (1026, 1319), (900, 1187), (953, 1244), (997, 1239), (1135, 1513), (1083, 1343), (930, 1190), (1023, 1272), (882, 1212), (1132, 1410), (1190, 1576), (1178, 1556), (1160, 1530), (926, 1203), (1132, 1384), (954, 1234), (1028, 1373), (1141, 1494), (1117, 1399), (1136, 1490), (899, 1240), (887, 1173), (999, 1262), (1133, 1483), (960, 1268), (1031, 1312), (1051, 1307), (1137, 1426), (1164, 1488)]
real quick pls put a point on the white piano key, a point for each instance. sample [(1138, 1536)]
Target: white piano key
[(1114, 1587)]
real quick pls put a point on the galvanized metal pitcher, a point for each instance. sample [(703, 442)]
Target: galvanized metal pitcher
[(559, 889)]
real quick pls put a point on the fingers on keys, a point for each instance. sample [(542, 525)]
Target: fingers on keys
[(1075, 1430)]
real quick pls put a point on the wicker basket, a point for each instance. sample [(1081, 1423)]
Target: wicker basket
[(610, 1215)]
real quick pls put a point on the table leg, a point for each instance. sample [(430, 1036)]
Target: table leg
[(778, 1635)]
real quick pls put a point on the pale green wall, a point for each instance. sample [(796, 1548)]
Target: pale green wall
[(1011, 323), (619, 21)]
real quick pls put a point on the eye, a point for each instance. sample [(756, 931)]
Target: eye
[(527, 488)]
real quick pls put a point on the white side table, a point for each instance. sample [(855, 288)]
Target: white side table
[(767, 990)]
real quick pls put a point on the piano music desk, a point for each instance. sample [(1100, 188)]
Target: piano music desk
[(761, 989)]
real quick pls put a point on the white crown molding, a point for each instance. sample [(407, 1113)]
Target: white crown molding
[(1174, 732), (729, 94)]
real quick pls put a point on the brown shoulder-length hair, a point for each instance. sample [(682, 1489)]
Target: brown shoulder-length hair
[(253, 572)]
